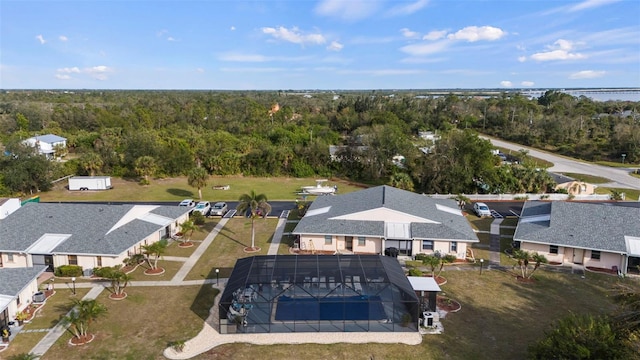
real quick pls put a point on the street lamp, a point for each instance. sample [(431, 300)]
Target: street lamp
[(481, 264), (623, 156), (52, 287), (73, 280), (217, 276)]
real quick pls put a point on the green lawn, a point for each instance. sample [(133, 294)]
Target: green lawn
[(539, 162), (617, 164), (482, 224), (588, 178), (630, 194), (170, 270), (229, 246), (141, 326), (177, 189)]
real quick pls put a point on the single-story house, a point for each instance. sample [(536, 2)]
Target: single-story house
[(88, 235), (575, 187), (8, 206), (46, 144), (17, 287), (590, 234), (372, 220)]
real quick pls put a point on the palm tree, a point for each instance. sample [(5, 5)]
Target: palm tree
[(155, 250), (145, 166), (81, 317), (255, 205), (432, 262), (447, 259), (187, 227), (91, 162), (522, 257), (198, 179), (119, 280), (461, 200), (537, 259), (401, 180)]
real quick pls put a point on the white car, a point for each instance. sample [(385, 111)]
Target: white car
[(481, 209), (187, 203), (203, 207), (219, 209)]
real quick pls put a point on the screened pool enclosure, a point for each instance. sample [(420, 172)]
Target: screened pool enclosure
[(311, 293)]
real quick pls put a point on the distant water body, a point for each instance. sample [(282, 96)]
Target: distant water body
[(595, 94)]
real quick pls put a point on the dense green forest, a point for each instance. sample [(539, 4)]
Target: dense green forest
[(147, 134)]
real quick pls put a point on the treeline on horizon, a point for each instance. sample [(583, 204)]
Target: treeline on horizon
[(149, 134)]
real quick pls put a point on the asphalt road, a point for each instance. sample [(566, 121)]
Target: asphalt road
[(619, 176), (277, 207)]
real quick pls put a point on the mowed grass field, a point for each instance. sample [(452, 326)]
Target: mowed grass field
[(177, 189)]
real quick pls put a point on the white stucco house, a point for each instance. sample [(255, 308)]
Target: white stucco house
[(88, 235), (599, 235), (46, 144), (17, 287), (372, 220)]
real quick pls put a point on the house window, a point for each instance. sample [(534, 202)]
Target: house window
[(595, 255), (99, 261), (73, 259), (18, 301), (553, 249), (454, 246), (328, 240), (10, 257), (427, 245), (361, 240)]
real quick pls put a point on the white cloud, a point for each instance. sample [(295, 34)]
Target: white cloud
[(243, 57), (97, 72), (590, 4), (294, 35), (435, 35), (522, 58), (527, 83), (587, 74), (475, 33), (200, 70), (506, 83), (63, 38), (170, 38), (335, 46), (233, 28), (409, 8), (348, 10), (41, 39), (425, 49), (74, 70), (560, 50), (408, 33)]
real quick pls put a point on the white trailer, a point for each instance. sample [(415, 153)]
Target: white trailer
[(90, 182)]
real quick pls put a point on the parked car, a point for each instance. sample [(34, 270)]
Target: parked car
[(187, 203), (203, 207), (481, 209), (219, 209)]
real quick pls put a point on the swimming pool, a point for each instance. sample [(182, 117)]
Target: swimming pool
[(359, 307)]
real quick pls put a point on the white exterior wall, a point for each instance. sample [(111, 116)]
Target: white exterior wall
[(607, 260), (19, 260), (25, 298), (543, 249), (443, 247), (9, 206)]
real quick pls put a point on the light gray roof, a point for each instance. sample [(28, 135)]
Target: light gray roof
[(14, 280), (50, 138), (88, 224), (582, 225), (447, 226)]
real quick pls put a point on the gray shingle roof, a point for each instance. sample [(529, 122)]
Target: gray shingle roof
[(581, 225), (88, 225), (450, 227), (14, 280)]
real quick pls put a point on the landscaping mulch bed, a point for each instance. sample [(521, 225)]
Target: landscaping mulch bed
[(602, 270), (446, 304)]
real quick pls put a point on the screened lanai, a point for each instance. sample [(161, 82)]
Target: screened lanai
[(318, 293)]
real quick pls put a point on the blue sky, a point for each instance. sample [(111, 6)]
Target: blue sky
[(325, 44)]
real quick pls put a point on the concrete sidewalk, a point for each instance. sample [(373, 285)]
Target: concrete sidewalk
[(193, 259), (54, 334)]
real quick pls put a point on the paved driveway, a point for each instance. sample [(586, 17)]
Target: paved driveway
[(620, 176)]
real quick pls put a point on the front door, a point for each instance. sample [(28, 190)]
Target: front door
[(348, 243), (578, 255)]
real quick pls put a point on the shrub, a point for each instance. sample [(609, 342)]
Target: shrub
[(420, 257), (197, 218), (415, 272), (68, 271)]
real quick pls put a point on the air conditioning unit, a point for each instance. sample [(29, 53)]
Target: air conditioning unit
[(430, 318)]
